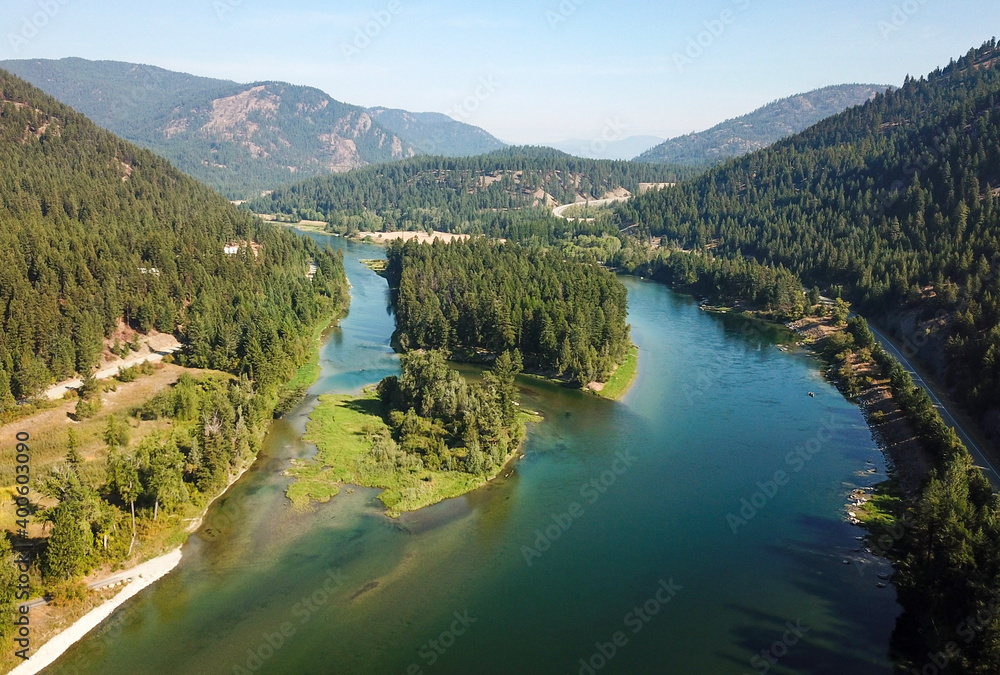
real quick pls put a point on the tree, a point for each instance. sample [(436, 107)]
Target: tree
[(89, 386), (31, 376), (165, 466), (73, 457), (841, 309), (67, 551), (116, 434), (123, 480), (6, 397), (863, 336)]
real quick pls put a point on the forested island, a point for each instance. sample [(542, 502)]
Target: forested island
[(484, 298), (430, 434), (424, 436)]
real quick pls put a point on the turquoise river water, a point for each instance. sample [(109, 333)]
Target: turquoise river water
[(619, 543)]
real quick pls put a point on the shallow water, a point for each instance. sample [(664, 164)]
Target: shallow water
[(607, 548)]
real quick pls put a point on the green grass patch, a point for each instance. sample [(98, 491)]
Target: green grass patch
[(623, 377), (342, 427), (308, 372), (376, 265), (879, 512)]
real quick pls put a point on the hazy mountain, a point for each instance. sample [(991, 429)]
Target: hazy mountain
[(762, 127), (239, 138), (626, 148), (437, 134)]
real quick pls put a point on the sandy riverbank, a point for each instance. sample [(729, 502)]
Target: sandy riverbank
[(141, 577), (420, 237)]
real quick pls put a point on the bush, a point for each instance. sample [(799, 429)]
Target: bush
[(87, 408)]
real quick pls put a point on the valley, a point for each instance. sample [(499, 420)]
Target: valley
[(293, 385)]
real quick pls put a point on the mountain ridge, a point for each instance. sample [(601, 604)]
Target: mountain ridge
[(241, 139), (760, 128)]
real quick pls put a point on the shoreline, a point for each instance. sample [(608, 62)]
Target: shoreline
[(147, 573), (385, 238), (141, 577), (337, 456), (903, 450)]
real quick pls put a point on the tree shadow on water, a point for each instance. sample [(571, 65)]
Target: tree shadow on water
[(856, 623)]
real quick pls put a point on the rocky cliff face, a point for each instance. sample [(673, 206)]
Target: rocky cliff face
[(287, 132), (241, 139)]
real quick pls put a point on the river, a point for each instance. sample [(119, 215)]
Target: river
[(618, 544)]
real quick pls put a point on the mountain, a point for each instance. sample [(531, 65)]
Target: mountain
[(96, 233), (496, 193), (241, 139), (238, 138), (437, 134), (892, 203), (761, 128), (626, 148)]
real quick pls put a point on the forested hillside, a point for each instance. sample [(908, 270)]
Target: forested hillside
[(563, 316), (760, 128), (94, 230), (243, 139), (491, 194), (894, 201)]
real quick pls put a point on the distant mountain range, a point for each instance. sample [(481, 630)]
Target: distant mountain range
[(243, 139), (598, 148), (436, 133), (761, 128)]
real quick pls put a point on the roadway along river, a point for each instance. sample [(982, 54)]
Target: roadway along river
[(619, 544)]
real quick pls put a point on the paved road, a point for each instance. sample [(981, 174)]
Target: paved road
[(947, 415)]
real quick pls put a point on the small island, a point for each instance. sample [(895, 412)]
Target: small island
[(479, 298), (425, 436), (430, 434)]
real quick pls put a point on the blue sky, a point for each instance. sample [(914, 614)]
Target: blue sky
[(527, 71)]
